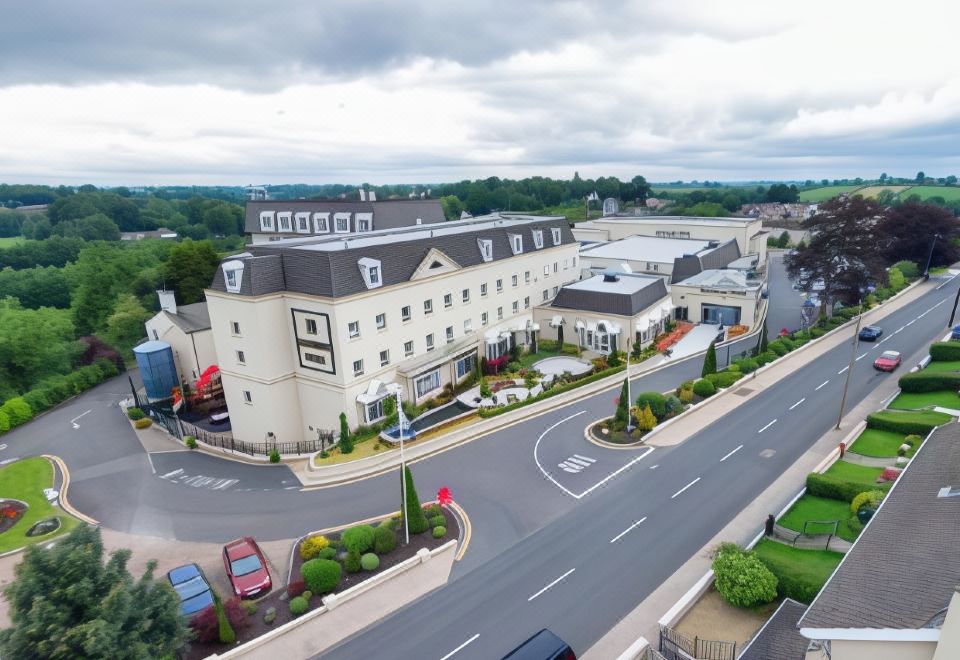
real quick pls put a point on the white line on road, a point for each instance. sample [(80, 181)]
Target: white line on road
[(614, 473), (945, 283), (898, 330), (627, 530), (152, 469), (585, 458), (860, 357), (577, 461), (170, 474), (910, 323), (924, 314), (460, 648), (798, 403), (885, 339), (767, 426), (537, 460), (685, 487), (731, 453), (74, 420), (551, 584), (842, 370), (820, 385), (654, 467)]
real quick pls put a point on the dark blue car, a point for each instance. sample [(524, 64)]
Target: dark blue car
[(870, 333), (542, 646), (191, 585)]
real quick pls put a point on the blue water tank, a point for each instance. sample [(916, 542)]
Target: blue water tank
[(157, 369)]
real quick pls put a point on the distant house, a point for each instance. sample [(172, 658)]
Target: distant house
[(162, 232), (777, 210)]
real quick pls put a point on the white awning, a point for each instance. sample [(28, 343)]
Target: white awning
[(556, 321), (643, 323), (375, 391), (579, 325)]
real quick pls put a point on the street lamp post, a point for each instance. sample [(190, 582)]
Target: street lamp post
[(853, 357), (629, 399), (926, 271), (403, 473)]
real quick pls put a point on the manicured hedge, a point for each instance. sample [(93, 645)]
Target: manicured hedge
[(945, 351), (724, 378), (656, 401), (923, 381), (704, 388), (321, 575), (920, 423), (834, 489)]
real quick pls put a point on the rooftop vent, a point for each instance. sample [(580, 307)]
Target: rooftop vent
[(611, 276), (713, 244), (949, 491)]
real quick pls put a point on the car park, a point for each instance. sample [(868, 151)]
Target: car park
[(888, 361), (870, 333), (192, 587), (246, 568), (543, 646)]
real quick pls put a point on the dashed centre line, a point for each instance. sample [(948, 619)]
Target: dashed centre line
[(731, 453), (820, 385), (461, 647), (551, 584), (843, 370), (798, 403), (685, 487), (910, 323), (860, 357), (767, 426), (627, 530)]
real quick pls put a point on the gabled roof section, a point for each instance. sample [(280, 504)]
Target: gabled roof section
[(435, 263)]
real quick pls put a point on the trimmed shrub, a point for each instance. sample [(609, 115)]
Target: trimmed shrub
[(417, 522), (778, 347), (351, 563), (295, 588), (685, 385), (870, 497), (704, 388), (895, 279), (358, 539), (327, 553), (249, 606), (298, 605), (945, 351), (311, 546), (143, 423), (909, 269), (321, 575), (384, 540), (674, 405), (923, 381), (4, 422), (685, 396), (792, 586), (307, 595), (834, 489), (656, 401), (913, 440), (432, 510), (439, 532), (270, 615), (621, 415), (906, 423), (236, 613), (190, 442), (437, 520), (369, 562), (710, 360), (817, 332), (17, 410), (765, 358), (724, 378), (274, 455), (37, 400), (135, 413), (741, 578)]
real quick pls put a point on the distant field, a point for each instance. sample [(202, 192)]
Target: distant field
[(873, 191), (950, 194), (823, 194), (11, 241), (659, 190)]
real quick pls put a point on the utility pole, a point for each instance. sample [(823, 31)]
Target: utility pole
[(926, 271), (853, 356)]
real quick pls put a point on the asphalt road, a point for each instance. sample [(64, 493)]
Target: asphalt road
[(583, 572)]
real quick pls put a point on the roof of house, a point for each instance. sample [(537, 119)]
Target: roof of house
[(190, 318), (628, 295), (645, 248), (675, 220), (329, 265), (902, 570), (387, 214), (722, 278), (779, 639), (719, 256)]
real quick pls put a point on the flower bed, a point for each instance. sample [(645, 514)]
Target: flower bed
[(675, 335)]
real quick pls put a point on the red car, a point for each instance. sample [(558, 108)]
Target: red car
[(888, 361), (246, 568)]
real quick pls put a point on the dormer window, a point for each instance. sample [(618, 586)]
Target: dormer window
[(266, 221), (233, 275), (321, 223), (555, 232), (284, 221), (486, 248), (364, 222), (303, 223), (370, 270), (538, 238), (341, 223), (516, 243)]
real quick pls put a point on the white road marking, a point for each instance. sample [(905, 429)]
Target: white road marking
[(860, 357), (843, 370), (654, 467), (924, 314), (614, 473), (291, 487), (820, 385), (2, 447), (152, 469), (685, 487), (946, 283), (898, 330), (537, 460), (577, 461), (460, 648), (9, 460), (627, 530), (910, 323), (170, 474), (551, 584), (883, 340), (798, 403), (731, 453), (585, 458), (767, 426), (74, 420)]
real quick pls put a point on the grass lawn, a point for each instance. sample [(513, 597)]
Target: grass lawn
[(25, 481), (861, 474), (10, 241), (914, 400), (948, 193), (809, 507), (823, 194), (878, 444), (361, 449), (938, 367), (813, 566)]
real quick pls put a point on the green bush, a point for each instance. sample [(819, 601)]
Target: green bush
[(384, 539), (933, 381), (311, 546), (909, 269), (143, 423), (656, 401), (437, 520), (913, 440), (190, 442), (906, 423), (298, 605), (274, 455), (227, 634), (417, 522), (786, 341), (724, 378), (432, 510), (307, 595), (945, 351), (270, 615), (741, 578), (748, 365), (17, 411), (817, 332), (351, 564), (834, 489), (358, 539), (4, 423), (327, 553), (799, 588), (135, 413), (674, 405), (778, 347), (249, 607), (704, 388), (37, 400), (321, 575), (369, 562), (895, 279), (439, 532), (870, 497), (766, 358), (685, 396)]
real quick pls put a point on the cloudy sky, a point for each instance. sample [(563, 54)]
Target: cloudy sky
[(250, 91)]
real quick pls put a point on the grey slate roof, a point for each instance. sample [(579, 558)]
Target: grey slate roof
[(191, 318), (692, 264), (593, 299), (335, 273), (905, 565), (387, 214), (779, 639)]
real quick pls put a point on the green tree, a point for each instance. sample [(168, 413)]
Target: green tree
[(646, 420), (622, 414), (417, 521), (96, 227), (741, 578), (710, 360), (784, 239), (125, 324), (346, 442), (102, 273), (190, 268), (452, 207), (66, 603), (478, 199), (895, 279), (223, 219), (34, 344), (920, 177)]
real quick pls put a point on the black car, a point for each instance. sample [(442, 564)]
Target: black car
[(542, 646), (870, 333)]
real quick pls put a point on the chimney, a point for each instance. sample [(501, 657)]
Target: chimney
[(372, 196), (363, 195), (168, 301)]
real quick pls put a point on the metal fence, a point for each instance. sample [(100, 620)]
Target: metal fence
[(227, 441), (674, 646)]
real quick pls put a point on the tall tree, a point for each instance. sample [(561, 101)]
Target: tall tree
[(907, 231), (346, 442), (622, 414), (102, 272), (416, 520), (190, 268), (710, 360), (67, 603), (34, 344), (125, 324)]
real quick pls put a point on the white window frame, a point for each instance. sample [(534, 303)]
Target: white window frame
[(499, 313), (486, 248), (371, 271), (546, 294), (447, 300), (556, 235), (266, 221), (358, 371), (516, 243), (321, 223), (499, 285), (374, 411), (546, 270), (465, 295), (406, 313), (484, 318), (427, 383), (538, 238), (301, 222), (384, 357), (310, 325), (514, 280), (430, 343), (483, 290), (381, 321), (408, 348), (315, 358), (460, 366), (428, 306), (467, 326), (526, 302), (232, 275), (353, 329), (337, 219), (285, 222), (516, 307), (449, 334), (363, 222), (526, 277)]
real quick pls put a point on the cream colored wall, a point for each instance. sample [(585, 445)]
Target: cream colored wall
[(182, 346), (858, 650), (662, 268), (618, 230), (274, 407), (692, 298), (544, 314), (206, 351)]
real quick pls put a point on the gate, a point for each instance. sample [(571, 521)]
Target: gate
[(675, 646)]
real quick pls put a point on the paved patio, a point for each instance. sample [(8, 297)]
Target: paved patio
[(561, 363)]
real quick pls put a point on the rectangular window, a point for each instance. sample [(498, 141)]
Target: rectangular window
[(517, 244), (430, 342), (556, 266), (546, 270), (467, 326), (353, 329), (428, 306), (538, 238), (555, 232), (342, 225), (448, 300), (231, 276), (303, 226), (241, 358), (375, 411), (320, 225), (405, 313), (316, 359), (546, 294), (311, 326), (526, 302), (526, 277), (466, 295), (363, 225), (483, 318), (381, 321), (246, 397), (407, 348), (499, 313), (449, 333), (358, 367), (384, 358), (374, 274), (516, 306), (235, 327), (466, 365), (284, 219), (514, 280), (427, 383), (483, 289), (499, 286)]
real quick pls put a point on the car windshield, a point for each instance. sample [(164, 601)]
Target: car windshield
[(245, 565), (197, 603), (191, 587), (890, 355)]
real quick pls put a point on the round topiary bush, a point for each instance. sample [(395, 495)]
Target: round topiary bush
[(704, 388), (437, 521), (871, 498), (384, 539), (143, 423), (741, 578), (307, 595), (298, 605), (135, 413), (369, 562), (439, 532), (358, 539), (321, 575), (327, 553), (351, 563), (656, 401)]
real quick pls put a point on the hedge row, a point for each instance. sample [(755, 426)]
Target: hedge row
[(834, 489), (906, 423), (553, 391), (945, 351), (923, 381), (21, 409)]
